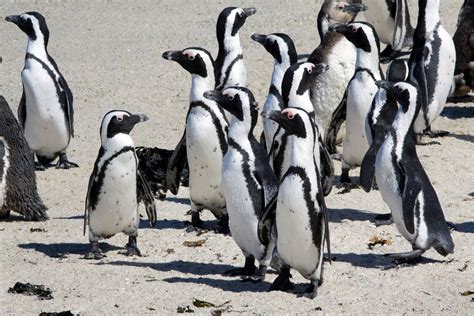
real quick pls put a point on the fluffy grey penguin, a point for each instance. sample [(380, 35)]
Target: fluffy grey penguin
[(391, 19), (300, 217), (295, 93), (18, 192), (432, 63), (464, 43), (247, 179), (283, 50), (360, 93), (230, 68), (45, 111), (205, 140), (339, 54), (111, 201), (403, 183)]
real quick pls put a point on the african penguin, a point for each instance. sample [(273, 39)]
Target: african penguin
[(247, 179), (432, 63), (205, 141), (391, 19), (18, 191), (230, 68), (404, 184), (360, 93), (45, 112), (295, 93), (300, 216), (339, 54), (283, 50), (111, 203)]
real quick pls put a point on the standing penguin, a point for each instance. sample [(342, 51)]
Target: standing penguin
[(111, 201), (404, 184), (339, 54), (18, 192), (230, 68), (205, 141), (360, 93), (247, 179), (432, 63), (391, 19), (283, 50), (45, 111), (301, 217)]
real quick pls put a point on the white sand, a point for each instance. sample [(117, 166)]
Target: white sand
[(110, 53)]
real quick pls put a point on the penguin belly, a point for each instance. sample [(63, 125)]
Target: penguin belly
[(45, 126), (269, 126), (205, 161), (117, 209), (243, 222), (442, 74), (359, 98), (4, 165), (379, 16), (295, 239)]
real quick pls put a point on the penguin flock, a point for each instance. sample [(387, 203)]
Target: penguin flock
[(268, 192)]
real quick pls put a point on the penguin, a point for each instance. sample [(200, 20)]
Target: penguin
[(404, 184), (111, 203), (464, 43), (46, 111), (360, 93), (295, 93), (283, 50), (339, 54), (230, 68), (432, 63), (205, 142), (300, 216), (247, 179), (18, 191), (391, 19)]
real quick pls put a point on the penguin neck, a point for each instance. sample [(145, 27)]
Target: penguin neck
[(301, 151), (402, 126), (279, 70), (302, 101), (230, 45), (37, 47), (429, 14), (199, 85), (239, 130), (117, 143), (369, 60)]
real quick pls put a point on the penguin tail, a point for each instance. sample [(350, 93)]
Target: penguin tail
[(36, 213)]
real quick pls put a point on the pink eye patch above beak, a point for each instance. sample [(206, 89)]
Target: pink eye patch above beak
[(290, 113)]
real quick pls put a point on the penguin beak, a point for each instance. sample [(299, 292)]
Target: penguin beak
[(174, 55), (355, 8), (278, 118), (137, 118), (214, 95), (14, 19), (259, 38), (383, 84), (249, 11), (338, 28)]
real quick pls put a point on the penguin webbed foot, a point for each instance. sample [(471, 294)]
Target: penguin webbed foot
[(311, 291), (435, 134), (410, 257), (196, 220), (95, 253), (249, 268), (40, 167), (282, 282), (222, 226), (64, 163), (131, 248), (383, 220), (345, 183), (258, 276)]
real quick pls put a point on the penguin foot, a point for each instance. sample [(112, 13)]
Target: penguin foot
[(223, 225), (310, 292), (248, 269), (39, 166), (95, 252), (132, 249), (259, 275), (346, 187), (282, 282), (5, 215), (435, 134), (451, 226), (407, 257), (196, 220), (383, 220), (64, 163)]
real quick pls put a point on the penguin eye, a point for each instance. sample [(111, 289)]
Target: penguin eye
[(354, 29), (290, 116), (310, 70), (190, 57), (119, 118), (230, 97)]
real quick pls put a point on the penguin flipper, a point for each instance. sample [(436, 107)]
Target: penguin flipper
[(22, 110), (87, 202), (411, 190), (148, 198), (325, 214), (176, 165), (367, 168), (266, 221), (327, 169), (68, 109), (338, 117)]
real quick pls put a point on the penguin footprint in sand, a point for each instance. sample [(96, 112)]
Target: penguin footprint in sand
[(111, 202)]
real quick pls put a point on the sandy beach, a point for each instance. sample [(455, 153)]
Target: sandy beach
[(110, 54)]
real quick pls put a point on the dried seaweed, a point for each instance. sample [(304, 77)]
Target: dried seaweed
[(376, 240), (184, 309), (194, 244), (32, 289), (467, 293), (39, 230)]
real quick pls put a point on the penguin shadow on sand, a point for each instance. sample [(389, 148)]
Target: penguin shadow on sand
[(63, 250), (201, 270), (338, 215), (377, 261), (178, 200), (162, 224), (466, 227)]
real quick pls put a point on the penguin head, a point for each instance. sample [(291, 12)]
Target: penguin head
[(299, 78), (119, 122), (279, 45), (361, 34), (33, 24), (337, 12), (230, 21), (195, 60), (293, 120), (405, 93), (238, 101)]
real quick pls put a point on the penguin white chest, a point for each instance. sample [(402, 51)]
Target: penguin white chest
[(117, 209), (45, 126), (295, 239), (242, 219), (361, 92), (205, 159), (4, 165)]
